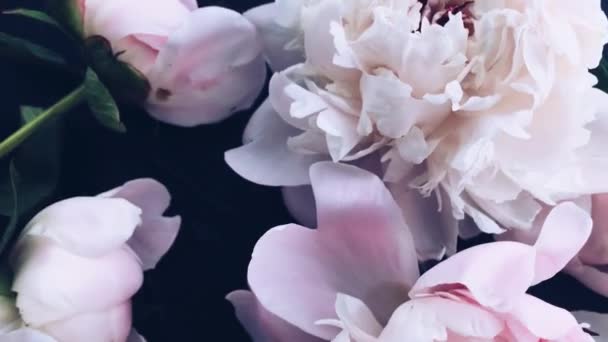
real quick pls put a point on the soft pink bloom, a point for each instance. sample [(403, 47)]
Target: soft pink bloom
[(202, 63), (356, 278), (79, 261), (489, 107)]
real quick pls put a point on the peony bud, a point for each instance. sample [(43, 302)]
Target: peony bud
[(189, 65), (78, 262)]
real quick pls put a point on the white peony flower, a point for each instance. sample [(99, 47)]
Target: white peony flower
[(488, 105)]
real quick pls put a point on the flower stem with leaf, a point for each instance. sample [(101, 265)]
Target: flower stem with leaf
[(70, 101)]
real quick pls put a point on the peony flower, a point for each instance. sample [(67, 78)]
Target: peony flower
[(202, 64), (487, 105), (356, 278), (79, 261)]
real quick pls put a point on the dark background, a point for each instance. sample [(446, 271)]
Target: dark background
[(223, 215)]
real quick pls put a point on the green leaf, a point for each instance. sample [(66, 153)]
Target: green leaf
[(102, 103), (10, 229), (36, 15), (21, 48), (37, 162), (29, 113), (126, 82), (67, 12)]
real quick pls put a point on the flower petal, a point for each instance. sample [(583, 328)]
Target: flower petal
[(275, 37), (53, 284), (300, 202), (543, 320), (564, 233), (87, 226), (149, 195), (214, 53), (434, 318), (112, 324), (269, 161), (26, 335), (262, 325), (296, 273), (155, 236)]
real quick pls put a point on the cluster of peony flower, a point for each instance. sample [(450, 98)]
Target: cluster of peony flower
[(471, 109), (395, 127), (455, 117)]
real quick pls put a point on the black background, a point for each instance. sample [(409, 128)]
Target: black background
[(223, 215)]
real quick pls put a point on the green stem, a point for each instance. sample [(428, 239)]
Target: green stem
[(68, 102)]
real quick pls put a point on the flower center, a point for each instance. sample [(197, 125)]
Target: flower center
[(438, 11)]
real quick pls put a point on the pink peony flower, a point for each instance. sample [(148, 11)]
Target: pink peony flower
[(79, 261), (202, 63), (487, 106), (356, 278)]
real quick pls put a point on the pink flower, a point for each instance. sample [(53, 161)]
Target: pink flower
[(356, 278), (78, 262), (202, 63)]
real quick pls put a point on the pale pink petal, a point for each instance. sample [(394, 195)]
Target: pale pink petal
[(26, 335), (262, 325), (210, 67), (357, 319), (113, 19), (564, 233), (300, 202), (275, 37), (156, 234), (154, 238), (435, 232), (264, 121), (296, 272), (434, 318), (498, 273), (54, 284), (87, 226), (268, 160), (149, 195), (134, 336), (495, 273), (112, 324), (190, 4), (543, 320)]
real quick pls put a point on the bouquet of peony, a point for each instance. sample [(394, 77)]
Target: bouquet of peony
[(439, 159)]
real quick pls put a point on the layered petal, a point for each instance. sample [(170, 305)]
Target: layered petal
[(86, 226), (112, 324), (156, 234), (53, 284), (214, 52), (498, 274), (360, 228), (262, 325)]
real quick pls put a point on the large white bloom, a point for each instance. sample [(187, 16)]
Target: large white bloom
[(489, 105)]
